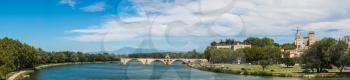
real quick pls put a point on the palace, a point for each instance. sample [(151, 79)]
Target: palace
[(301, 44), (234, 46), (347, 39)]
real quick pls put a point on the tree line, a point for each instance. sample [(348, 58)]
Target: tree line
[(263, 51), (190, 54), (15, 55), (319, 57), (326, 53)]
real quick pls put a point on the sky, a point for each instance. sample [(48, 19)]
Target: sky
[(174, 25)]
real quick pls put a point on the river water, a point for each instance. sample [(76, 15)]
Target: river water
[(137, 71)]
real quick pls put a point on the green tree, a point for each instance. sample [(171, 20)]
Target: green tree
[(215, 55), (339, 55), (288, 46), (254, 54), (16, 55), (318, 56), (289, 61), (254, 41), (264, 63), (207, 54)]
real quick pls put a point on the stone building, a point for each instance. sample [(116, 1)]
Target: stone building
[(233, 46), (240, 46), (347, 39), (301, 44)]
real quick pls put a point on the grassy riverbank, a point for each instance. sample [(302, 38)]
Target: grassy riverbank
[(19, 75), (274, 70)]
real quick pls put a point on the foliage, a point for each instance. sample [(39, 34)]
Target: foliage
[(289, 61), (226, 42), (264, 63), (15, 55), (262, 49), (287, 46), (339, 55), (221, 55), (318, 56), (254, 54), (215, 55), (325, 53), (254, 41)]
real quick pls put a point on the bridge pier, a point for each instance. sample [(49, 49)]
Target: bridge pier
[(124, 60), (165, 61)]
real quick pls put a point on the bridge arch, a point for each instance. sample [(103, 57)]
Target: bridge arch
[(131, 60), (165, 61), (157, 60), (179, 60)]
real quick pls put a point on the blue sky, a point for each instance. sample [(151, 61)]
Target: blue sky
[(176, 25)]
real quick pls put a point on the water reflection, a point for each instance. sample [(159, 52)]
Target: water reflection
[(137, 71)]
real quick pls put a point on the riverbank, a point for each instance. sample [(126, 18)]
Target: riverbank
[(274, 70), (19, 75)]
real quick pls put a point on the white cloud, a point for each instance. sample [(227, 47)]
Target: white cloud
[(70, 3), (212, 18), (336, 29), (96, 7)]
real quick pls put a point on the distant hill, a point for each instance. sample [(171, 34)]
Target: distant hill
[(129, 50)]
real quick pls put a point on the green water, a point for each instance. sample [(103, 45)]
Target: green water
[(137, 71)]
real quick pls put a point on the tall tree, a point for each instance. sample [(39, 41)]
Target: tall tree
[(288, 46), (317, 56), (339, 55), (289, 61), (267, 53), (254, 41)]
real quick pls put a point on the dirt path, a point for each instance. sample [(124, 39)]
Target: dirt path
[(17, 74)]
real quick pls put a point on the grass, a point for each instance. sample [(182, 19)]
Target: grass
[(256, 67), (272, 70), (275, 68)]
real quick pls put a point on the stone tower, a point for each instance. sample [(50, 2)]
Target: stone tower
[(309, 39), (347, 40), (306, 41), (312, 38), (298, 41)]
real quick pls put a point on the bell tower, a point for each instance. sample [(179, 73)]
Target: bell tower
[(298, 40)]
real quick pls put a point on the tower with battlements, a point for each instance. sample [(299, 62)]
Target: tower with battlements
[(302, 44), (309, 39)]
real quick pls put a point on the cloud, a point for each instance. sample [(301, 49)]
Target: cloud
[(112, 30), (70, 3), (96, 7), (336, 29), (224, 18)]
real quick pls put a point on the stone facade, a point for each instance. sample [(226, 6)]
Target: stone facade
[(240, 46), (347, 39), (232, 46), (223, 46), (301, 45)]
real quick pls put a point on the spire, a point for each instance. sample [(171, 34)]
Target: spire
[(297, 29), (297, 35), (298, 42)]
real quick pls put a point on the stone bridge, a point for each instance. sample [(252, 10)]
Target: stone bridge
[(165, 61)]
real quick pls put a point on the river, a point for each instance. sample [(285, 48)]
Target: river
[(137, 71)]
